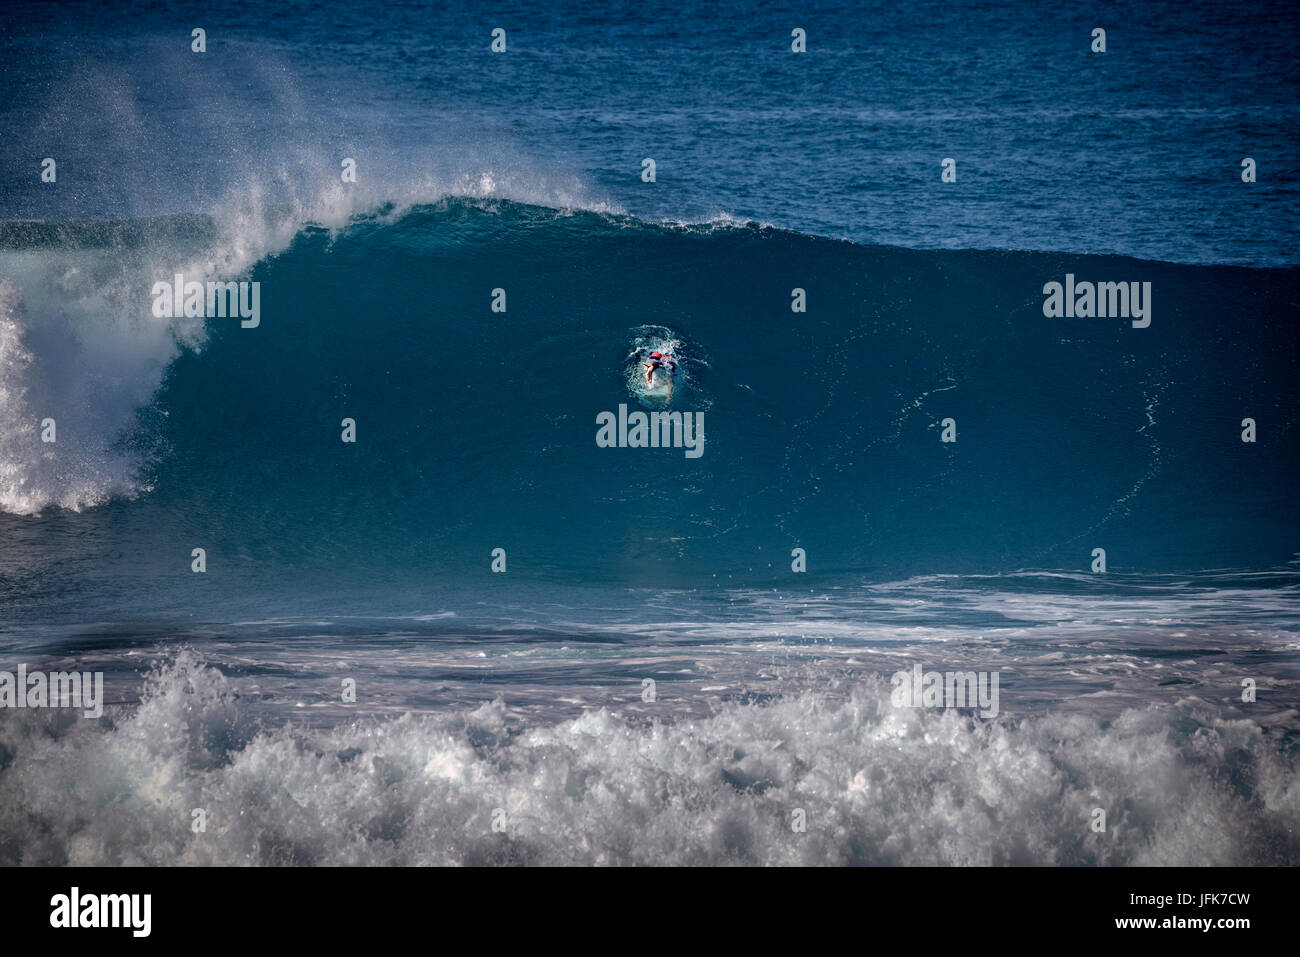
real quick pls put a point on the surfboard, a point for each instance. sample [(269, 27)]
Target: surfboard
[(659, 388)]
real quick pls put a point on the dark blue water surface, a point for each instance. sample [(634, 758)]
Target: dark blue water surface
[(1135, 151)]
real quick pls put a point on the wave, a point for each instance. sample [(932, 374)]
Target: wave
[(476, 427), (78, 341)]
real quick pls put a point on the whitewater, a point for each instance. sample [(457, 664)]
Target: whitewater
[(879, 786)]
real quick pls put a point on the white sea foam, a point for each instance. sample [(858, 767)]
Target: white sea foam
[(877, 784)]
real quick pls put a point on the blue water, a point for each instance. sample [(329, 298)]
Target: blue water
[(1136, 151), (524, 689)]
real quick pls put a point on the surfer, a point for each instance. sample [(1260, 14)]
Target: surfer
[(657, 360)]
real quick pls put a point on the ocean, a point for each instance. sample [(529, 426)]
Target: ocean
[(367, 580)]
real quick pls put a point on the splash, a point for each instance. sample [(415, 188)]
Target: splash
[(875, 785)]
